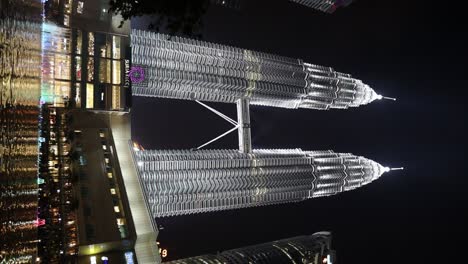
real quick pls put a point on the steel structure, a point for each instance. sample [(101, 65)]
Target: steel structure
[(313, 249), (327, 6), (181, 68), (179, 182)]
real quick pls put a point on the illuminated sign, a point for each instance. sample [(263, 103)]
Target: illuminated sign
[(163, 252), (127, 74)]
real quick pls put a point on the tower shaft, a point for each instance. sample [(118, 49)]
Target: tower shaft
[(243, 118), (179, 182), (188, 69)]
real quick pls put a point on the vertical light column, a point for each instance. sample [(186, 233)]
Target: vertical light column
[(243, 119)]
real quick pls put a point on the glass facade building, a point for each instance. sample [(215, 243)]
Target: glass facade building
[(181, 68), (312, 249), (84, 68), (328, 6), (179, 182)]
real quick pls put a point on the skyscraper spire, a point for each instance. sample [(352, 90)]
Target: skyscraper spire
[(389, 98), (181, 68)]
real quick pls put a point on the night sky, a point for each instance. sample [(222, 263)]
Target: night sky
[(412, 50)]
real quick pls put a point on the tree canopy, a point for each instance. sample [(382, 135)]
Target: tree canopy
[(172, 16)]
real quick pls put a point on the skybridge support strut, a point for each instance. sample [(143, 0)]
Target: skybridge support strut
[(243, 120)]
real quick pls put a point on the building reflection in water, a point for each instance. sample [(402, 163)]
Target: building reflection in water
[(46, 65), (20, 73)]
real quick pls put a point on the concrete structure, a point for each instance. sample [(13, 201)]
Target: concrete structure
[(113, 219), (327, 6), (313, 249), (190, 69)]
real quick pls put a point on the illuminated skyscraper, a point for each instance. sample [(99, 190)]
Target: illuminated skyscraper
[(313, 249), (328, 6), (179, 182), (181, 68)]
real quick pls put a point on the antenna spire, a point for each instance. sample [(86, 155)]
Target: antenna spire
[(387, 169), (388, 98)]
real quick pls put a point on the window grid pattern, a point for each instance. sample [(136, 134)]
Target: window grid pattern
[(302, 249), (182, 68), (327, 6), (179, 182)]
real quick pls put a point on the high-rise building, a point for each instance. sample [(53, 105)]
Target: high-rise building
[(181, 68), (178, 182), (312, 249), (328, 6)]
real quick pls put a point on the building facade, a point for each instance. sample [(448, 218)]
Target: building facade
[(85, 56), (189, 69), (327, 6), (179, 182), (313, 249)]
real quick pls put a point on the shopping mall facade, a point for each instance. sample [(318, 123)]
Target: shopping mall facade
[(85, 56)]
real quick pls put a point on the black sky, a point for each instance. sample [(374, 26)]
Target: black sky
[(412, 50)]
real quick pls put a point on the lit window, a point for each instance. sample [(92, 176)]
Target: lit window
[(89, 95), (78, 94), (120, 221), (62, 66), (116, 209), (104, 147), (79, 42), (129, 257), (90, 68), (78, 68), (109, 175), (107, 160), (105, 73), (79, 8), (112, 190), (66, 20), (101, 134), (116, 97), (115, 47), (91, 43), (116, 72)]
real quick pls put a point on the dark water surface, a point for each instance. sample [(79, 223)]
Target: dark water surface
[(20, 58)]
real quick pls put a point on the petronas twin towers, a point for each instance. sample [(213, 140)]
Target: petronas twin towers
[(194, 70), (178, 182)]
